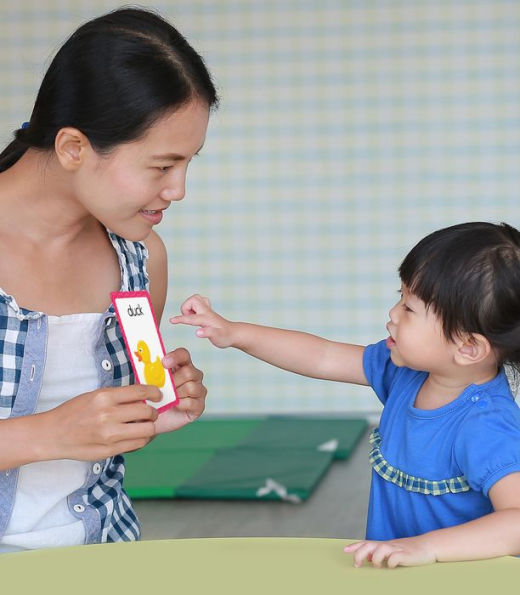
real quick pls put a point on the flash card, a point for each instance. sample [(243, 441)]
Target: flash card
[(144, 343)]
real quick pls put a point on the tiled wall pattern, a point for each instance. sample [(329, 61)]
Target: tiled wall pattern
[(347, 131)]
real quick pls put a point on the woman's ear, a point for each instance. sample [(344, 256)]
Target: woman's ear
[(472, 349), (71, 146)]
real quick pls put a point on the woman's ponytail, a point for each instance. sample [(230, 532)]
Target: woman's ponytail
[(14, 150)]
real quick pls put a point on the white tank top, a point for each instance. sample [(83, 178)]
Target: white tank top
[(41, 516)]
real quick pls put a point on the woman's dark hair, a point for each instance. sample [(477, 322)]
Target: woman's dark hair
[(113, 78), (469, 274)]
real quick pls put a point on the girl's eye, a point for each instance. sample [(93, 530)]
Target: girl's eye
[(164, 168), (406, 308)]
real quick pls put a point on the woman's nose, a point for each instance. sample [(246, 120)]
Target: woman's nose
[(175, 188)]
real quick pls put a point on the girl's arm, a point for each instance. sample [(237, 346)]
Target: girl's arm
[(295, 351), (493, 535)]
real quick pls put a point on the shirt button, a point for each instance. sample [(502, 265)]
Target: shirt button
[(96, 468), (106, 365), (79, 508)]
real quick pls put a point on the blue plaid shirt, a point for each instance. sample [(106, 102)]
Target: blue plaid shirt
[(101, 503)]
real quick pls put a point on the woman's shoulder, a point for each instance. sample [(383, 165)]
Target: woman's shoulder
[(148, 258), (157, 267), (155, 246)]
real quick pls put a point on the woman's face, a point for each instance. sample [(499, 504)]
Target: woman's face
[(128, 189)]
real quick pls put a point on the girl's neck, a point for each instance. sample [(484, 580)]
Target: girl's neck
[(439, 390)]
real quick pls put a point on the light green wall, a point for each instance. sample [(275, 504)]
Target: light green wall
[(347, 131)]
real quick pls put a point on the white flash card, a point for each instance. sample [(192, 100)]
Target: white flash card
[(144, 344)]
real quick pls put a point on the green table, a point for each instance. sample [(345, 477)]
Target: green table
[(234, 566)]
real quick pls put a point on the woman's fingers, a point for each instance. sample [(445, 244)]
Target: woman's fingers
[(190, 390), (129, 394)]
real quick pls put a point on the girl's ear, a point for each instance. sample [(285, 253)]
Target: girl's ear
[(71, 146), (472, 349)]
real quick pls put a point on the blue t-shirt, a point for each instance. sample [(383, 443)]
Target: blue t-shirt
[(434, 468)]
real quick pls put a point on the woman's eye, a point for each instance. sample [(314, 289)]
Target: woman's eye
[(164, 168)]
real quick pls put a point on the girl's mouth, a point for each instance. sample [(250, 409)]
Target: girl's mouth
[(390, 343), (154, 217)]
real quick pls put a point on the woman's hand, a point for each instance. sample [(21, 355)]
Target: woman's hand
[(411, 551), (197, 311), (98, 424), (190, 390)]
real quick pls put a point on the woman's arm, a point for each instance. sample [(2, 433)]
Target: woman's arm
[(20, 431), (91, 426), (157, 267), (295, 351)]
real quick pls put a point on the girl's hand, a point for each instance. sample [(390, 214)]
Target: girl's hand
[(98, 424), (411, 551), (196, 311), (190, 390)]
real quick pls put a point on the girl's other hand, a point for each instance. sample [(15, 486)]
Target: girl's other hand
[(197, 311), (190, 390), (410, 551)]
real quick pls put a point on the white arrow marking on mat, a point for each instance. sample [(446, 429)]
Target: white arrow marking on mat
[(330, 446), (280, 490)]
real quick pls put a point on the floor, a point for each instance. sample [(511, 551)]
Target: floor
[(336, 508)]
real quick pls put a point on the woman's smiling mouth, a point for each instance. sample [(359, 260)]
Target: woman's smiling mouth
[(154, 217)]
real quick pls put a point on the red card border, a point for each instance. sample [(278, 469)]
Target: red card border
[(140, 294)]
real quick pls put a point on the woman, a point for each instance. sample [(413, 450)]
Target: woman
[(121, 111)]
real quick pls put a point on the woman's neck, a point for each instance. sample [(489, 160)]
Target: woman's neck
[(36, 201)]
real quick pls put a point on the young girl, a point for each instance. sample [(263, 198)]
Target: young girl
[(446, 456), (121, 111)]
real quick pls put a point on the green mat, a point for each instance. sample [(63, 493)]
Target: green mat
[(266, 458)]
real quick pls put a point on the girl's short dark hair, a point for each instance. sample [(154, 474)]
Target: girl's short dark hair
[(469, 274), (112, 79)]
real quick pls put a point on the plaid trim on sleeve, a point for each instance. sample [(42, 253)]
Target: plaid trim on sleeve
[(411, 483), (13, 331)]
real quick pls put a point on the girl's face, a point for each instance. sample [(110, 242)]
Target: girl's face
[(128, 189), (416, 338)]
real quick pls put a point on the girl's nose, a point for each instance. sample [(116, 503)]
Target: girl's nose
[(393, 313)]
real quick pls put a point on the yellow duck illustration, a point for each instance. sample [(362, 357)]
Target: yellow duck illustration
[(153, 371)]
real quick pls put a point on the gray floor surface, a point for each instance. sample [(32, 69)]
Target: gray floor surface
[(336, 508)]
